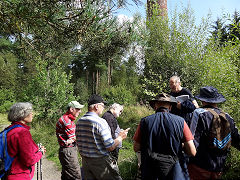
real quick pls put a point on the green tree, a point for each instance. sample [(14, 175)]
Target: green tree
[(49, 90)]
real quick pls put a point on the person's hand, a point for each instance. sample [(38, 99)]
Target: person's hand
[(70, 141), (124, 133), (178, 105), (42, 150)]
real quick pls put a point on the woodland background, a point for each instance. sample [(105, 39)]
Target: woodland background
[(52, 52)]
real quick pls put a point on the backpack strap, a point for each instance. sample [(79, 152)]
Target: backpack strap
[(6, 130), (194, 119)]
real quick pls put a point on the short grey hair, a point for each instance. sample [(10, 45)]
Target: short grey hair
[(116, 106), (19, 111), (177, 78)]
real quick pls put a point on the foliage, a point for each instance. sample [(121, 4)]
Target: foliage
[(118, 94), (232, 165), (223, 33), (175, 47), (7, 98), (49, 91)]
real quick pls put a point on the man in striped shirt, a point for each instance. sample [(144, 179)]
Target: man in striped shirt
[(68, 153), (94, 141)]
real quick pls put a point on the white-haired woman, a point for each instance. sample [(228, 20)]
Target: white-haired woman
[(110, 116), (20, 143)]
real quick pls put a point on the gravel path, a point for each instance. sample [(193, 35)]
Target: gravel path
[(49, 171)]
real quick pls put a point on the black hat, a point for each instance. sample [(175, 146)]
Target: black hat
[(163, 98), (94, 99), (210, 94)]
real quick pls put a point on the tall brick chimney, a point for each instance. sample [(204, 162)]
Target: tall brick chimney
[(162, 4)]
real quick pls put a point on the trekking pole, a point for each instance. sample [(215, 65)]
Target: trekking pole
[(40, 147), (37, 170), (41, 169)]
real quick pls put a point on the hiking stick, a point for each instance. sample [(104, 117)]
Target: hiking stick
[(40, 147), (37, 170), (41, 169)]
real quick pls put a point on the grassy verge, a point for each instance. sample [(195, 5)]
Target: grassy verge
[(3, 119)]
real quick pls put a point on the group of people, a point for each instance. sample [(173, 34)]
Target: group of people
[(175, 141), (97, 139), (172, 142)]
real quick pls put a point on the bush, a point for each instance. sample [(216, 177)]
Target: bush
[(119, 94), (7, 99)]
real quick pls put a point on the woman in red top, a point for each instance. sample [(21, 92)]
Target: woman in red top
[(20, 143)]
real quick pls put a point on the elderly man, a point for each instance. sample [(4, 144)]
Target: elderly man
[(95, 141), (209, 161), (110, 116), (68, 153), (185, 106), (160, 138)]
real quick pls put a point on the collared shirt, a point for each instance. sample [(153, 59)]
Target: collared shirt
[(65, 129), (93, 136)]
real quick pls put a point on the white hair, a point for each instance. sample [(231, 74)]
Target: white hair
[(115, 106), (176, 78), (19, 111)]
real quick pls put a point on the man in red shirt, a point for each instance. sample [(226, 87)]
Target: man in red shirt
[(68, 153)]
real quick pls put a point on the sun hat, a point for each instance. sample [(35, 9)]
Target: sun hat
[(210, 94), (163, 97), (75, 104), (95, 99)]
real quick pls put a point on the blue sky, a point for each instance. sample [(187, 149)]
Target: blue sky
[(200, 7)]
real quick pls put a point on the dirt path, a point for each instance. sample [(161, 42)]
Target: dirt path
[(49, 171)]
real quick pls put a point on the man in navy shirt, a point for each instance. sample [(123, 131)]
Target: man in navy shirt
[(160, 138)]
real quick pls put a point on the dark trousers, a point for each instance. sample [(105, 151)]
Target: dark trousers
[(68, 157)]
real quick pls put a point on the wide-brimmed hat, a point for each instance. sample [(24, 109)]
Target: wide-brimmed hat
[(95, 99), (75, 104), (163, 97), (210, 94)]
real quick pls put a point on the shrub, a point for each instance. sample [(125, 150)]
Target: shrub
[(119, 94), (7, 98)]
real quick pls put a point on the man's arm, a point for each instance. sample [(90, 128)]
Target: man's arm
[(189, 148), (136, 146), (195, 103), (188, 145)]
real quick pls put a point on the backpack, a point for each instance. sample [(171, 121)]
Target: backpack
[(5, 159), (220, 131)]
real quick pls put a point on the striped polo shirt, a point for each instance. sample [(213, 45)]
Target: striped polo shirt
[(93, 135)]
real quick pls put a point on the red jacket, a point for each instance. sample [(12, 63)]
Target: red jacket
[(23, 148)]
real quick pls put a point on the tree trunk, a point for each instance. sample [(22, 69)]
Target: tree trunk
[(109, 73), (93, 82), (87, 74)]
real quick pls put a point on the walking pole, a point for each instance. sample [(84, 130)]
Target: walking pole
[(37, 170), (40, 146)]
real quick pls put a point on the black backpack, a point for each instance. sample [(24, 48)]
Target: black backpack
[(220, 131), (5, 159)]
